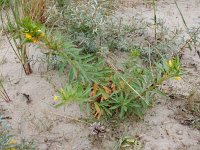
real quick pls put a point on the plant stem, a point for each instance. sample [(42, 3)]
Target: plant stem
[(4, 94), (27, 68), (155, 20), (181, 15), (70, 118)]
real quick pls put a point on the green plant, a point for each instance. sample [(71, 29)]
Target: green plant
[(124, 94), (139, 86), (120, 103), (4, 3), (72, 92), (91, 26), (82, 21), (23, 31), (85, 21), (31, 30), (112, 92), (82, 67), (129, 143)]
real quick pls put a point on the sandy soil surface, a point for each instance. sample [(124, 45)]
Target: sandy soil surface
[(166, 126), (166, 11)]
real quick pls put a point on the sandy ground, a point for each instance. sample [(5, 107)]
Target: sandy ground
[(166, 11), (162, 128)]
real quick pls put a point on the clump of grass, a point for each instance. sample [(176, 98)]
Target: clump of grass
[(35, 9), (4, 3)]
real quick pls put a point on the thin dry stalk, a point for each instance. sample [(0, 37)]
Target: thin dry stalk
[(34, 9), (4, 94), (155, 20)]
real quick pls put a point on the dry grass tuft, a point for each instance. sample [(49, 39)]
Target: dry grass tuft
[(35, 9)]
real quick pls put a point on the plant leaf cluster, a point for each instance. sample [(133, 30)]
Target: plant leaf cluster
[(123, 94)]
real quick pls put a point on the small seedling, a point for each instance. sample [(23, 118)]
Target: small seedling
[(129, 143)]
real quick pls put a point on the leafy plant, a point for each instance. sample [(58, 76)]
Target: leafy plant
[(127, 93), (23, 31), (121, 104), (85, 21), (72, 92), (82, 67), (82, 21), (127, 142), (30, 30), (139, 86), (112, 92)]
